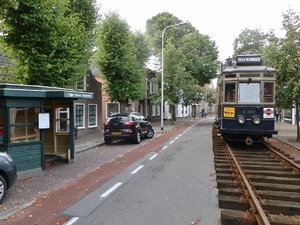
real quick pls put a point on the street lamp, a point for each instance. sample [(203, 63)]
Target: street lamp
[(162, 71)]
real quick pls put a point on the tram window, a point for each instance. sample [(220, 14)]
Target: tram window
[(229, 92), (249, 92), (268, 92)]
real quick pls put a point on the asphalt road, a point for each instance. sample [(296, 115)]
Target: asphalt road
[(174, 183)]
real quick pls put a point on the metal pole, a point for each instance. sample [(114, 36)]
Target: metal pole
[(206, 99), (162, 82), (162, 72)]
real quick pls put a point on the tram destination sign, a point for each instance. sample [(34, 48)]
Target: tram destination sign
[(248, 60)]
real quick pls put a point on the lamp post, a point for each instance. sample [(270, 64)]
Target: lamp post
[(162, 72)]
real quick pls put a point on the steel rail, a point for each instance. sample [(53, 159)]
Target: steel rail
[(259, 213), (283, 159)]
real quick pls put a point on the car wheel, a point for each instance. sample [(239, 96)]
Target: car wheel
[(150, 133), (3, 187), (107, 141), (137, 138)]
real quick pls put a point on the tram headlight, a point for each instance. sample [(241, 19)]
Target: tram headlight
[(241, 119), (256, 119)]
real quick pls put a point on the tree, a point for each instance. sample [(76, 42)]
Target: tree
[(142, 47), (199, 56), (211, 96), (87, 12), (188, 57), (192, 94), (7, 3), (156, 25), (47, 41), (284, 54), (117, 60), (250, 41)]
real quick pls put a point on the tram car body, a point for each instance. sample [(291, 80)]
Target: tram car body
[(246, 99)]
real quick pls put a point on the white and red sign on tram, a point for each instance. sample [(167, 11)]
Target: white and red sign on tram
[(268, 113)]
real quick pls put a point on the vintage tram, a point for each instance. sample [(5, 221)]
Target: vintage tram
[(246, 99)]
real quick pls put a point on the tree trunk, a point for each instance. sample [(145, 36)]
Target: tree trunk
[(173, 117)]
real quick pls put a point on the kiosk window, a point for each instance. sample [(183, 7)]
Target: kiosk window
[(62, 119), (23, 124)]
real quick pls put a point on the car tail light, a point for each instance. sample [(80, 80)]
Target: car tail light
[(105, 123), (130, 123)]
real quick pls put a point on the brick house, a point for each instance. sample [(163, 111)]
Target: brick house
[(90, 114)]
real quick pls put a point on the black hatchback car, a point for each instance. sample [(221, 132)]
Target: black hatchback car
[(8, 174), (127, 126)]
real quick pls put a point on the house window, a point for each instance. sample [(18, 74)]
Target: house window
[(79, 115), (112, 108), (23, 124), (150, 87), (92, 115), (153, 110), (81, 85)]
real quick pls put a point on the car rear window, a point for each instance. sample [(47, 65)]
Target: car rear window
[(118, 119)]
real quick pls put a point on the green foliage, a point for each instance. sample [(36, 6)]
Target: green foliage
[(190, 58), (211, 96), (250, 41), (284, 54), (155, 26), (117, 60), (4, 4), (49, 41), (142, 47), (192, 93), (199, 57), (87, 12)]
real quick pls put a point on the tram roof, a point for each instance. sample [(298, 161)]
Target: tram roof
[(248, 69)]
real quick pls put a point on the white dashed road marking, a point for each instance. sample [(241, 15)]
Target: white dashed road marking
[(111, 190), (137, 169), (153, 157)]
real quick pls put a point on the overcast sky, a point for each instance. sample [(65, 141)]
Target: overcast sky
[(222, 20)]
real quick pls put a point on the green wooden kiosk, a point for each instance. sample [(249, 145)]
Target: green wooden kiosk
[(33, 126)]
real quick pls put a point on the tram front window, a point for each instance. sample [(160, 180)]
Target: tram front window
[(268, 92), (249, 92), (229, 92)]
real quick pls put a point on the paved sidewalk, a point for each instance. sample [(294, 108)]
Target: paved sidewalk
[(287, 133), (87, 159)]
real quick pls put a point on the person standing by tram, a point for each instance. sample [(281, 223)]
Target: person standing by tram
[(276, 114)]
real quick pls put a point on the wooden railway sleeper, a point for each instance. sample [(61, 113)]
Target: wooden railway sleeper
[(260, 216)]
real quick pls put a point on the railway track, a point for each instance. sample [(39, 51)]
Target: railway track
[(257, 185)]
